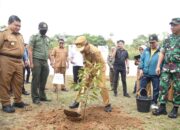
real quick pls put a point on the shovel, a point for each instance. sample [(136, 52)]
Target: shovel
[(72, 113)]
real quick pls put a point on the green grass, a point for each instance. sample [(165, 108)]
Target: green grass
[(128, 105)]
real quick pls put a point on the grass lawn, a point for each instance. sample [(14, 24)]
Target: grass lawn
[(22, 118)]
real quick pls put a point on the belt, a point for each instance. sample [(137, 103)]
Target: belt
[(8, 55)]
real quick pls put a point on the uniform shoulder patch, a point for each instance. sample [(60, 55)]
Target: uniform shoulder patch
[(3, 28)]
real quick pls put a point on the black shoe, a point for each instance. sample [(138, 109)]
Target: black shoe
[(45, 100), (25, 93), (37, 102), (127, 95), (173, 113), (20, 104), (160, 111), (27, 82), (108, 108), (115, 94), (74, 105), (8, 109)]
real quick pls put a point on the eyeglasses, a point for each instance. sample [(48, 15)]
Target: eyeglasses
[(152, 42)]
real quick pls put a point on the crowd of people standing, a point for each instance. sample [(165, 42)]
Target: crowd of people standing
[(156, 65)]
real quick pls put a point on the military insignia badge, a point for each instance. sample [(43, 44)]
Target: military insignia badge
[(44, 26)]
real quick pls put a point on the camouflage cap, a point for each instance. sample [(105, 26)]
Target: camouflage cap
[(153, 38), (43, 26), (175, 21), (80, 43)]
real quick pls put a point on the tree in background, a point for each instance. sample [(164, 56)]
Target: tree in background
[(99, 40), (69, 39), (95, 40), (140, 40)]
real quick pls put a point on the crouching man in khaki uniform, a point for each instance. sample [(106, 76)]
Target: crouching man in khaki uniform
[(93, 55)]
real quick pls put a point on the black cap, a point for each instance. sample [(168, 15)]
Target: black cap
[(43, 26), (175, 21), (153, 38)]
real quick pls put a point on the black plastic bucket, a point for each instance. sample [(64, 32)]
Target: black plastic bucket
[(143, 102)]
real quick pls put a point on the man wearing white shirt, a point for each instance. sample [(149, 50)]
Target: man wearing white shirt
[(76, 59)]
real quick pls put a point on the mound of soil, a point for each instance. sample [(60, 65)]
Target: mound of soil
[(95, 118)]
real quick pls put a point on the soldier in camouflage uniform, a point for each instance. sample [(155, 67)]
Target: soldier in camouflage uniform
[(170, 53), (39, 46), (110, 61), (93, 55)]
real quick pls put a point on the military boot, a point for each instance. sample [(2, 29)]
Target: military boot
[(74, 105), (160, 111), (173, 113)]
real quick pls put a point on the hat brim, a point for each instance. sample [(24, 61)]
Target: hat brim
[(174, 23)]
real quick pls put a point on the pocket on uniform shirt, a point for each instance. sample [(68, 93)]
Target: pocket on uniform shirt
[(10, 42)]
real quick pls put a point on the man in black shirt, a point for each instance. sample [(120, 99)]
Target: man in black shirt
[(121, 65)]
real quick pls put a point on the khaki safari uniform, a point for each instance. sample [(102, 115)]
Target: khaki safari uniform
[(40, 51), (93, 55), (60, 56), (11, 66)]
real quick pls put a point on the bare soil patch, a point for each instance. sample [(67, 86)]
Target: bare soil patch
[(95, 118)]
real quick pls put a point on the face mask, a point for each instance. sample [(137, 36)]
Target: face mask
[(42, 32)]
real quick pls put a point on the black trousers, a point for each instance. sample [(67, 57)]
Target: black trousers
[(27, 68), (75, 73), (123, 79)]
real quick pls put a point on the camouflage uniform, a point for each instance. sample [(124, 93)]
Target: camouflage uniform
[(171, 69), (110, 61)]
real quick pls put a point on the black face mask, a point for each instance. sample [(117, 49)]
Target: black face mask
[(42, 32)]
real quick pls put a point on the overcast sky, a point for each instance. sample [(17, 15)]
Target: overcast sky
[(126, 19)]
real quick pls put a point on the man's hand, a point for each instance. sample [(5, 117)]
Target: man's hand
[(31, 65), (158, 70), (141, 73), (72, 62), (111, 66), (67, 66), (51, 63), (127, 70), (26, 63)]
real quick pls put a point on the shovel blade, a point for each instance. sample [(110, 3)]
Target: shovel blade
[(70, 113)]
